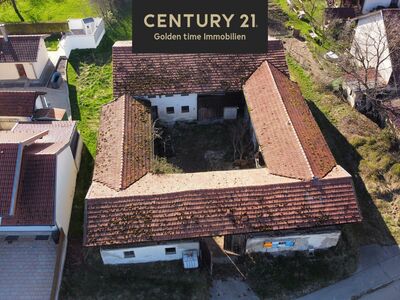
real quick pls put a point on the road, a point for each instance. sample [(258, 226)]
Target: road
[(377, 277)]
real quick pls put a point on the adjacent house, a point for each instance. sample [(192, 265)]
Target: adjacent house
[(376, 51), (296, 200), (23, 57), (371, 5), (19, 106), (39, 162)]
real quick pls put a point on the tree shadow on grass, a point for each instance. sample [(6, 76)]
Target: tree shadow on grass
[(373, 228)]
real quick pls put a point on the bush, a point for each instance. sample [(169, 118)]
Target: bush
[(160, 165), (395, 170)]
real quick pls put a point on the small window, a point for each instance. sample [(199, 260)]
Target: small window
[(170, 110), (152, 96), (169, 95), (169, 251), (129, 254), (185, 109), (185, 94)]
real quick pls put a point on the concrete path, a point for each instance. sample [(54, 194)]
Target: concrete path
[(378, 274), (27, 269), (231, 289)]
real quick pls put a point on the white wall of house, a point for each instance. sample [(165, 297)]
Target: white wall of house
[(176, 101), (148, 253), (301, 242), (8, 71), (65, 188), (370, 35), (42, 59), (370, 5)]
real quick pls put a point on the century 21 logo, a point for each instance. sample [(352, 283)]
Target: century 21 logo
[(197, 20)]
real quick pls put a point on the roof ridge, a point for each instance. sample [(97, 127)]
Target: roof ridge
[(123, 140), (291, 121)]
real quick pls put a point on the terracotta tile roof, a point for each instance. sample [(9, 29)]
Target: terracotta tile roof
[(290, 140), (19, 48), (39, 142), (124, 142), (17, 104), (35, 203), (57, 114), (160, 74), (8, 159), (200, 213), (58, 131)]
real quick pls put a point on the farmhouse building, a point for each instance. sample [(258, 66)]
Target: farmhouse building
[(39, 162), (296, 199)]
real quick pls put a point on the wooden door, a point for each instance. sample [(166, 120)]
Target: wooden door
[(21, 70)]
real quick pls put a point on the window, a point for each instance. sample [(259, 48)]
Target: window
[(185, 94), (169, 251), (129, 254), (170, 110), (169, 95), (184, 109)]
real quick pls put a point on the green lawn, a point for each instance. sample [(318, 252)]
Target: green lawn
[(47, 10)]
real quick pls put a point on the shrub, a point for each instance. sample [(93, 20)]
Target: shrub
[(160, 165)]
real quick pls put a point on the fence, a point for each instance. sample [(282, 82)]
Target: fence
[(37, 28)]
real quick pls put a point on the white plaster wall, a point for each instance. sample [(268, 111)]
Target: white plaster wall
[(177, 101), (369, 5), (42, 59), (148, 253), (368, 32), (78, 155), (65, 188), (302, 242), (8, 71)]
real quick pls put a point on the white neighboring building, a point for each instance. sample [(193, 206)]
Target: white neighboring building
[(22, 57), (39, 163), (83, 34), (377, 32), (370, 5)]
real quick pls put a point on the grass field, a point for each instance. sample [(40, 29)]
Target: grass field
[(47, 10)]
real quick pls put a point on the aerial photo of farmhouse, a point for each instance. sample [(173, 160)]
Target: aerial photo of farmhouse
[(194, 174)]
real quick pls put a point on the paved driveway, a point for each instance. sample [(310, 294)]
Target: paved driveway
[(377, 275), (26, 268)]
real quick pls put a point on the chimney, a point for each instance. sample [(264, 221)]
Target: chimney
[(4, 32)]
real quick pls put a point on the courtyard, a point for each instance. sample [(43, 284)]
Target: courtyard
[(196, 147)]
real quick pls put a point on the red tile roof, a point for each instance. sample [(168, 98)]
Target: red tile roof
[(8, 159), (200, 213), (57, 114), (124, 142), (291, 142), (18, 103), (39, 142), (19, 48), (35, 202), (160, 74)]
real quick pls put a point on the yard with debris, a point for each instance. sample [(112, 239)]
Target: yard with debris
[(193, 147)]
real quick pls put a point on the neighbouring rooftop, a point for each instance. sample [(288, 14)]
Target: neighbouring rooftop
[(18, 103), (28, 156), (19, 48), (147, 74)]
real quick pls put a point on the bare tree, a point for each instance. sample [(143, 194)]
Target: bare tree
[(242, 144), (15, 7), (374, 49)]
